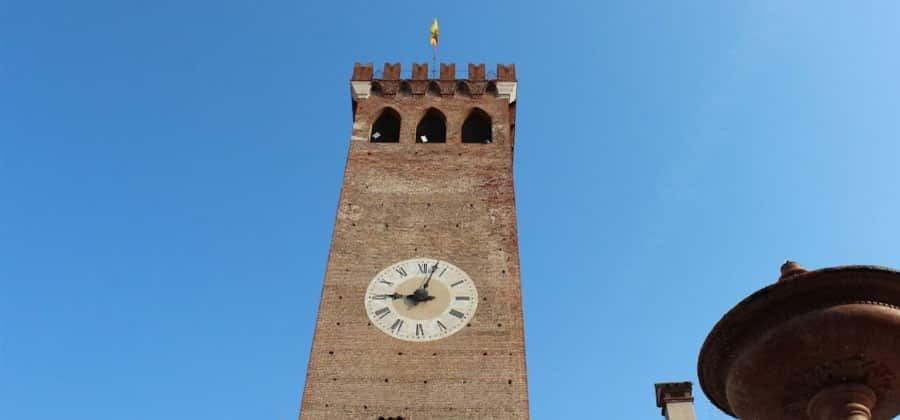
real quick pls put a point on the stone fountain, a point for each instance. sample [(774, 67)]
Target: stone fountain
[(816, 345)]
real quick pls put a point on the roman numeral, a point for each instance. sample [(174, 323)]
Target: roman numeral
[(463, 298), (423, 268), (457, 314), (378, 297), (441, 326), (401, 271), (442, 272), (457, 283), (420, 331), (383, 312), (386, 282), (395, 327)]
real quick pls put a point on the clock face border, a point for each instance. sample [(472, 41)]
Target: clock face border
[(453, 307)]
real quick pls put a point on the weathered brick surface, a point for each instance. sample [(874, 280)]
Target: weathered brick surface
[(451, 201)]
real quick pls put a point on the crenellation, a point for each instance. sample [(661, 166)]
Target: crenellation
[(362, 72), (420, 71), (506, 72), (476, 72), (448, 71), (391, 71)]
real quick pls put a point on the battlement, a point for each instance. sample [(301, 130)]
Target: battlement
[(393, 71), (365, 81)]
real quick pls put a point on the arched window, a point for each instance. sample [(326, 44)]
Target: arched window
[(386, 128), (477, 127), (432, 128)]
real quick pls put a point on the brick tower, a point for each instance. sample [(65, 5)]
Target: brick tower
[(421, 313)]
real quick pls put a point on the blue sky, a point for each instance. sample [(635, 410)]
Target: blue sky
[(169, 173)]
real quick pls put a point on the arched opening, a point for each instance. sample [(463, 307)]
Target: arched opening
[(434, 89), (432, 128), (462, 89), (477, 127), (386, 128), (376, 89), (491, 89), (405, 88)]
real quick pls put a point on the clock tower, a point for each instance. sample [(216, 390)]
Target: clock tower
[(421, 313)]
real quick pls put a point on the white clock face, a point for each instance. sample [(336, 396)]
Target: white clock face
[(421, 299)]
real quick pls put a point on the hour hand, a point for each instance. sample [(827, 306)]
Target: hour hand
[(392, 296)]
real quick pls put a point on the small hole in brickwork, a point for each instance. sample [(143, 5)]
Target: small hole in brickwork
[(510, 354), (330, 352), (471, 206), (425, 226), (499, 325), (354, 224), (460, 154), (464, 381), (428, 204), (369, 153), (339, 324), (386, 225), (469, 324), (484, 354), (509, 382), (425, 382), (399, 353), (385, 380), (365, 407), (503, 271), (334, 379), (415, 249), (340, 297), (326, 405), (434, 354), (485, 299), (457, 225)]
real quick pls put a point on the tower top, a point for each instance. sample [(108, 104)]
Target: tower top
[(392, 71), (365, 81)]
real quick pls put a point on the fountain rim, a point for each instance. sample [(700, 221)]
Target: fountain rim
[(813, 290)]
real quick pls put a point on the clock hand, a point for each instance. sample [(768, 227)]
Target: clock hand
[(428, 279), (392, 296)]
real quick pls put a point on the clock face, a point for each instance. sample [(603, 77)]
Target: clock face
[(421, 299)]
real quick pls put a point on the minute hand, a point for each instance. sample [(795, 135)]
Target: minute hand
[(428, 279)]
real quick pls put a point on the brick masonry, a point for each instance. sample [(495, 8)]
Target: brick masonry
[(453, 201)]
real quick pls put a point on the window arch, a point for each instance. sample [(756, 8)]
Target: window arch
[(477, 127), (405, 88), (434, 89), (432, 128), (376, 90), (386, 128), (462, 89)]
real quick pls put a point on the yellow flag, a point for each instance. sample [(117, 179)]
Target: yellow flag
[(434, 33)]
